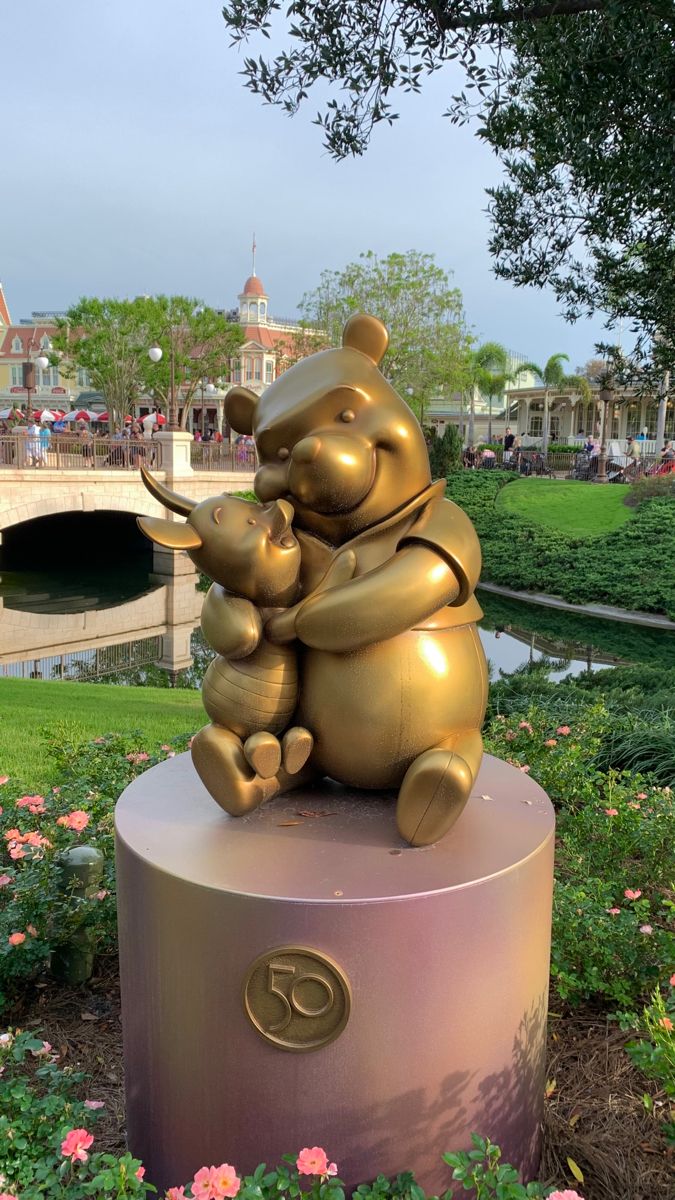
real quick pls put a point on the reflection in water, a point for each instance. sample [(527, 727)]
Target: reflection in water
[(83, 590), (137, 627)]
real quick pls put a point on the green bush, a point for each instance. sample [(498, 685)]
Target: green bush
[(606, 570), (660, 486), (44, 1131), (654, 1052)]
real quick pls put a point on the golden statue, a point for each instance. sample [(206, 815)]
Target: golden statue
[(351, 629)]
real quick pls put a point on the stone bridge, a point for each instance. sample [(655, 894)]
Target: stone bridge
[(27, 493)]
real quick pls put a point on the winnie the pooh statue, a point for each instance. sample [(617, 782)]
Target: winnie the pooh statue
[(392, 675)]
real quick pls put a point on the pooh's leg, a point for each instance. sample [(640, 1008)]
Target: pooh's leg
[(220, 762), (436, 788)]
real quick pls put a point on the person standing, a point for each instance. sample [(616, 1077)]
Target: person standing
[(33, 444), (509, 439), (45, 439)]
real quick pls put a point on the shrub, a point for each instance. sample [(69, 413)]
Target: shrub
[(44, 1130), (654, 1053), (650, 486)]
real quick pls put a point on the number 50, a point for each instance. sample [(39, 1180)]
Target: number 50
[(279, 974)]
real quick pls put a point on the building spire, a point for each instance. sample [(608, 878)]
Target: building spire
[(253, 250)]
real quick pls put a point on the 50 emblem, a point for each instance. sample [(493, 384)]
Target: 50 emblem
[(297, 998)]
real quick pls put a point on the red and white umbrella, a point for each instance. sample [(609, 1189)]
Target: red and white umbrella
[(83, 414), (45, 414), (154, 419), (11, 413)]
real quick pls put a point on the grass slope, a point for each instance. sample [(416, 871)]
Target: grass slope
[(574, 508), (33, 713)]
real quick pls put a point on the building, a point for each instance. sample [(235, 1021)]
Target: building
[(571, 419), (496, 414)]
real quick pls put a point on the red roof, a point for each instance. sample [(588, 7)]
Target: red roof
[(25, 333), (253, 287), (5, 318), (269, 339)]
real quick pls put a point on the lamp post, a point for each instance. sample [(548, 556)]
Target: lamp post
[(29, 366), (606, 398), (210, 390), (155, 354)]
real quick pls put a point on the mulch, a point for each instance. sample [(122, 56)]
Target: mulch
[(595, 1111)]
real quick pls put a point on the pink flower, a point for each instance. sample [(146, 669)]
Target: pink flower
[(165, 746), (525, 725), (564, 730), (202, 1184), (56, 790), (642, 795), (31, 930), (510, 735), (613, 911), (75, 1145), (7, 1196), (16, 939), (568, 1194), (34, 804), (633, 804), (666, 1023), (171, 754), (525, 768), (551, 742), (140, 1172), (4, 779), (100, 895), (632, 893), (137, 756), (4, 880), (314, 1162), (224, 1180), (42, 1053), (77, 820), (16, 852), (646, 929), (94, 1104), (612, 812), (672, 981), (177, 1193)]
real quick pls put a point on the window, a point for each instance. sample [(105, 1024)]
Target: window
[(262, 309), (17, 376), (17, 346), (554, 428), (258, 369), (269, 368), (253, 310), (83, 379), (249, 368), (536, 425), (45, 343)]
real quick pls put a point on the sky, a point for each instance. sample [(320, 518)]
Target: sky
[(136, 162)]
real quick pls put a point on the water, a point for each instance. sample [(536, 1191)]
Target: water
[(111, 624)]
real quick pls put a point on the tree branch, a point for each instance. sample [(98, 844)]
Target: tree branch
[(523, 12)]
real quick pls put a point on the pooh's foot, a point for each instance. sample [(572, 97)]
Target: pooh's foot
[(263, 754), (296, 745), (436, 788), (222, 766)]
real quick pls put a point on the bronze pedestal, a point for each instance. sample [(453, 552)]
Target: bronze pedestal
[(301, 976)]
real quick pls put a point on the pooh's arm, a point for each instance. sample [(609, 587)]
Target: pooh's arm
[(376, 606), (231, 625)]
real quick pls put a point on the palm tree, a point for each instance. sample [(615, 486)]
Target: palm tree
[(492, 374), (554, 379)]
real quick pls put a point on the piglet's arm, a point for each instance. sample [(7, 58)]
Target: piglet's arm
[(376, 606), (232, 626)]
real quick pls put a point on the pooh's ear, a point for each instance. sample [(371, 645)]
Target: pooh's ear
[(366, 334), (239, 409)]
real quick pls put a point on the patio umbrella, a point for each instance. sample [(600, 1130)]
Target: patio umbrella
[(45, 414), (83, 414), (11, 414), (154, 419)]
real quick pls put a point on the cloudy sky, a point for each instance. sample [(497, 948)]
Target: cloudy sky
[(135, 162)]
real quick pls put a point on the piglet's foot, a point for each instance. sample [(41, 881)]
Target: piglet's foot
[(263, 754), (296, 744), (436, 788), (222, 766)]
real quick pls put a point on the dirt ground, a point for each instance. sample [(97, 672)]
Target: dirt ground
[(595, 1111)]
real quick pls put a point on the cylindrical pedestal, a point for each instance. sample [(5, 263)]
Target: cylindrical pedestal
[(301, 977)]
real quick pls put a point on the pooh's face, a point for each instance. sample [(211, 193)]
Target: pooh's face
[(336, 440)]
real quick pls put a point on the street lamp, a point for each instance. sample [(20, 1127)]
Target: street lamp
[(606, 397), (29, 366), (155, 354), (210, 391)]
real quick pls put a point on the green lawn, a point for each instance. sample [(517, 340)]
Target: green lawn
[(578, 509), (32, 711)]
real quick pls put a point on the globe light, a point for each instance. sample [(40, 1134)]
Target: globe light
[(210, 388), (155, 353), (42, 362)]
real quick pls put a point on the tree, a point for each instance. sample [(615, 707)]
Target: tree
[(110, 340), (199, 341), (574, 96), (428, 338), (492, 360), (554, 379), (445, 453)]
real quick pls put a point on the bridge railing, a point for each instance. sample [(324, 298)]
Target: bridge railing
[(66, 452), (221, 456)]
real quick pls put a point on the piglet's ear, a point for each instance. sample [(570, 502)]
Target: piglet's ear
[(366, 334), (240, 406)]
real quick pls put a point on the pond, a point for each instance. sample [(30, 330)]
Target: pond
[(134, 626)]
